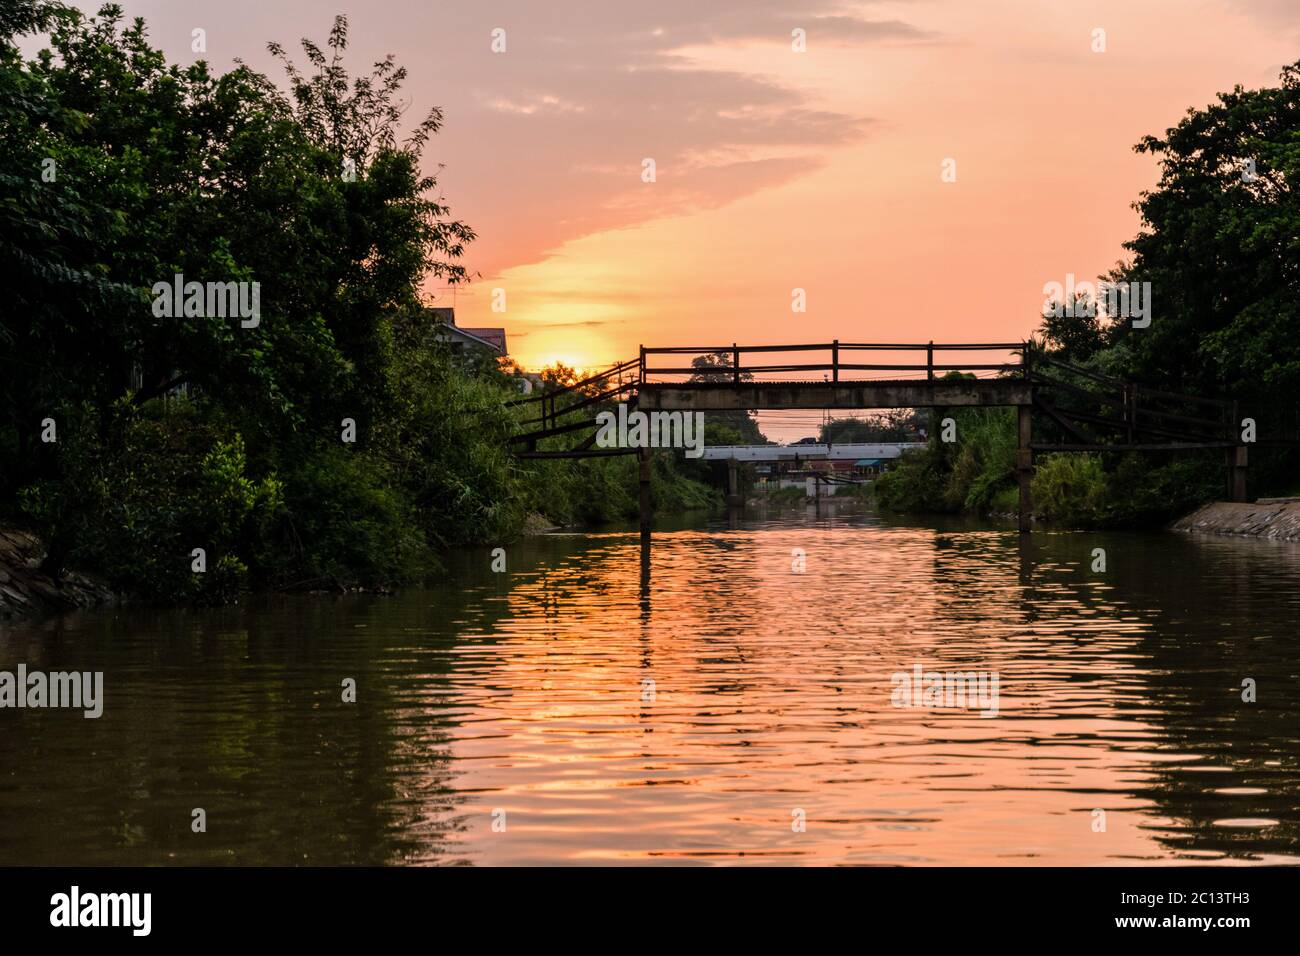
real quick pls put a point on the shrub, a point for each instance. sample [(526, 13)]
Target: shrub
[(345, 522), (1071, 489), (972, 473), (134, 505), (915, 483)]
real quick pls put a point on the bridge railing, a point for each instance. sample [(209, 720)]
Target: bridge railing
[(839, 362), (556, 404), (1094, 411)]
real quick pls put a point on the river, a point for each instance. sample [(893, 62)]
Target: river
[(717, 705)]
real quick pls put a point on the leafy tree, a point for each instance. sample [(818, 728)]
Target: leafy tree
[(57, 214), (894, 425), (119, 171), (1074, 334), (1220, 245), (716, 367)]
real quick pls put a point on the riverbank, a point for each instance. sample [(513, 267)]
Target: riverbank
[(25, 590), (1274, 518)]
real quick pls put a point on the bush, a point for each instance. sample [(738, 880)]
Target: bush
[(345, 523), (1071, 489), (915, 483), (134, 506), (600, 490), (1141, 491), (972, 473)]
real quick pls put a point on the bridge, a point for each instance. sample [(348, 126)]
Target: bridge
[(1075, 409), (844, 451), (807, 451)]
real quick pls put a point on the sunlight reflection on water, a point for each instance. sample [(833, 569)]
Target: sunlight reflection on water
[(527, 692)]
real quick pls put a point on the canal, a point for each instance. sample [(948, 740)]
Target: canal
[(735, 700)]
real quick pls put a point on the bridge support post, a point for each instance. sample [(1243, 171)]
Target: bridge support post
[(643, 482), (734, 497), (1237, 460), (1024, 464)]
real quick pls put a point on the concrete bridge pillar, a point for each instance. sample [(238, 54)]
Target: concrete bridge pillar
[(734, 498)]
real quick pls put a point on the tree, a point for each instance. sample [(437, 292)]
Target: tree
[(160, 170), (192, 429), (58, 212), (1220, 245), (894, 425), (1074, 334), (716, 367)]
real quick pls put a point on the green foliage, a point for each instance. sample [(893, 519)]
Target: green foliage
[(1130, 490), (674, 491), (917, 482), (1142, 490), (1071, 489), (119, 170), (952, 476), (346, 522), (977, 473), (895, 425), (601, 490), (987, 459), (443, 434), (134, 505), (1220, 249), (1076, 334), (164, 170), (785, 496)]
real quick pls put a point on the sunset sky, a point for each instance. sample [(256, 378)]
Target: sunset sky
[(777, 169)]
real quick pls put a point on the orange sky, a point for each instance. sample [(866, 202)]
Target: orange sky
[(776, 169)]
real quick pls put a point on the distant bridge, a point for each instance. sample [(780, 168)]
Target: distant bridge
[(733, 455), (846, 451), (1077, 409)]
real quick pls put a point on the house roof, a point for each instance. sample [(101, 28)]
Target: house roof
[(494, 337), (469, 338)]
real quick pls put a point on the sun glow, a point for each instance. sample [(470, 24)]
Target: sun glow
[(568, 360)]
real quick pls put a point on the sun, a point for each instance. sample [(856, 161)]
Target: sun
[(581, 365)]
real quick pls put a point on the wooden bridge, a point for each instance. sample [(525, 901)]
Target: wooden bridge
[(1075, 409)]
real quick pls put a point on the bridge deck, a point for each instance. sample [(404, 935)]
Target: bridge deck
[(940, 393)]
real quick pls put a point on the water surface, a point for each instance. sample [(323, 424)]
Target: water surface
[(709, 706)]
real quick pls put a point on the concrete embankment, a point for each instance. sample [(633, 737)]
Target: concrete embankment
[(1277, 518), (25, 590)]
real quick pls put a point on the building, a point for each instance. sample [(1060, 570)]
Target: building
[(464, 339), (473, 343)]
